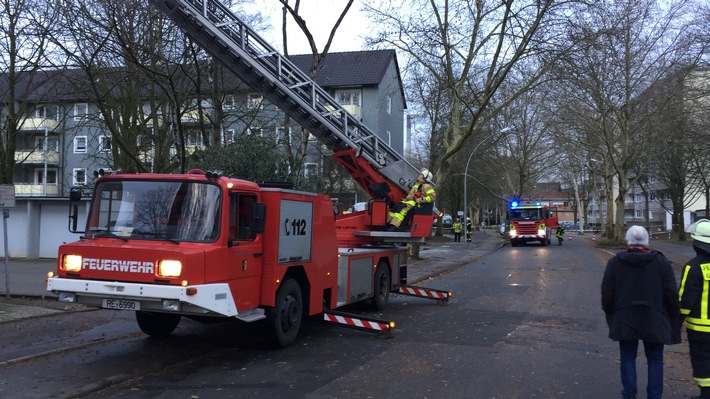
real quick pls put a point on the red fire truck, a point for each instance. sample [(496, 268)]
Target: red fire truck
[(531, 221), (206, 246)]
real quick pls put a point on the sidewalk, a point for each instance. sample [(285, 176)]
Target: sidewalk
[(29, 296)]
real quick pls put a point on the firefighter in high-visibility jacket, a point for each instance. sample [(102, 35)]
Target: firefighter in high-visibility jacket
[(421, 192), (694, 293)]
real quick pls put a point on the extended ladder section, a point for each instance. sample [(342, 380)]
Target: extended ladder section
[(220, 32)]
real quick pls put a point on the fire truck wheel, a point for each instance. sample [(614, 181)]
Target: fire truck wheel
[(158, 325), (284, 320), (543, 242), (382, 287)]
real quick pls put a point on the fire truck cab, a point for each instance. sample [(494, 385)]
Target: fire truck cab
[(531, 221)]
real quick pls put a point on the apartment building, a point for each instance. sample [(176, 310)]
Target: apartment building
[(63, 139)]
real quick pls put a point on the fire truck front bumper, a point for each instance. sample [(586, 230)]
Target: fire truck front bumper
[(528, 236), (207, 299)]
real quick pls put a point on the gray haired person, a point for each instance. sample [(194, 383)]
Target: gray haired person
[(640, 300)]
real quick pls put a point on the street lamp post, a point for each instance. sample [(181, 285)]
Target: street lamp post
[(465, 175)]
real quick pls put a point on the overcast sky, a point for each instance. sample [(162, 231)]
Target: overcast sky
[(347, 38)]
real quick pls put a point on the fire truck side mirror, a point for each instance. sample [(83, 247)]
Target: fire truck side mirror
[(74, 198), (258, 217), (74, 194)]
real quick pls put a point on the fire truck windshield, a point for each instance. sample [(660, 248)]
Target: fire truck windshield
[(526, 214), (154, 210)]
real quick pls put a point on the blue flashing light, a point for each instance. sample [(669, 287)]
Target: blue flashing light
[(538, 203), (514, 204)]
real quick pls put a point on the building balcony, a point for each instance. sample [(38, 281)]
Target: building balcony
[(36, 190), (39, 124), (193, 117), (37, 157), (354, 110)]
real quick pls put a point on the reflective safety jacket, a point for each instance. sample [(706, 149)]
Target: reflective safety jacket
[(560, 233), (424, 191), (458, 227), (694, 293)]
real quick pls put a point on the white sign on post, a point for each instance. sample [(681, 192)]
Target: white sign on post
[(7, 196)]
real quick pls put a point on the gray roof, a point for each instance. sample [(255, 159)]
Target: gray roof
[(356, 68), (348, 69)]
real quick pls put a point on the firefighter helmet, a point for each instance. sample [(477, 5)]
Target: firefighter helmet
[(700, 230), (427, 174)]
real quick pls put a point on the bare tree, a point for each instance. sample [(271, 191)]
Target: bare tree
[(622, 47), (298, 149), (470, 49), (25, 26)]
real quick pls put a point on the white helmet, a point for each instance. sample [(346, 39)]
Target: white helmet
[(700, 230), (427, 174)]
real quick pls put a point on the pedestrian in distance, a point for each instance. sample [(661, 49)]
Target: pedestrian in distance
[(640, 302), (560, 234), (468, 231), (457, 228), (694, 293)]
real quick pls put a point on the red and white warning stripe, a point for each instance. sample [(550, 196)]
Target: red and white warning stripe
[(424, 292), (357, 322)]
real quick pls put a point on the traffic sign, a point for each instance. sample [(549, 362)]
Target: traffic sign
[(7, 196)]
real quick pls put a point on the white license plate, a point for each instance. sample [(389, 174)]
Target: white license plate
[(120, 304)]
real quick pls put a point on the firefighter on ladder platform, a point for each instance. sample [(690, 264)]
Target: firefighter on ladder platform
[(421, 193)]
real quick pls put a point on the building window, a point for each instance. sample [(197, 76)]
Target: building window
[(638, 198), (229, 136), (228, 102), (80, 111), (310, 169), (255, 101), (281, 134), (652, 196), (194, 138), (638, 213), (79, 177), (39, 112), (348, 97), (46, 144), (143, 142), (80, 144), (389, 105), (51, 176), (254, 131), (105, 144), (389, 138)]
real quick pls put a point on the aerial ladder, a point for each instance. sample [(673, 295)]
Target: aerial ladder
[(382, 172)]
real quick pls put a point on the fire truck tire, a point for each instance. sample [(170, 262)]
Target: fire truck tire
[(158, 325), (543, 242), (284, 320), (381, 287)]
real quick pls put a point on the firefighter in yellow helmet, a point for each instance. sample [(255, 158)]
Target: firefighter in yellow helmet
[(694, 293), (421, 192)]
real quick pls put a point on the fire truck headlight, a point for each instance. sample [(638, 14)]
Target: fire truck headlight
[(512, 231), (169, 268), (541, 231), (72, 263)]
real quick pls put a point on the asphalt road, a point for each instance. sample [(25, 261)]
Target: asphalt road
[(524, 322)]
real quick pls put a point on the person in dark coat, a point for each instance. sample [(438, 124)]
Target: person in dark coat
[(694, 295), (640, 299)]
